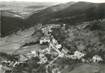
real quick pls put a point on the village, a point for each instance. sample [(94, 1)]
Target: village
[(55, 49)]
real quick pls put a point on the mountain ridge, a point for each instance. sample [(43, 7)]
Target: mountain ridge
[(68, 13), (79, 8)]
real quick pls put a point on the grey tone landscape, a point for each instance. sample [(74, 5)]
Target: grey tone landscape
[(52, 38)]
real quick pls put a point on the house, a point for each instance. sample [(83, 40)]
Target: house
[(58, 46), (34, 53), (78, 54), (54, 41), (97, 58), (43, 59), (44, 40)]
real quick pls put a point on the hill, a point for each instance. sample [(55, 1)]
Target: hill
[(69, 13), (12, 15), (10, 22)]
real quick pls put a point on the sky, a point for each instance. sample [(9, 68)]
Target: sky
[(59, 1)]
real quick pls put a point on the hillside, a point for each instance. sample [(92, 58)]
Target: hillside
[(12, 15), (28, 54), (10, 22), (69, 13)]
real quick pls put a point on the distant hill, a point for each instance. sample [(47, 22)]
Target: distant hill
[(12, 15), (69, 13), (33, 7), (10, 23)]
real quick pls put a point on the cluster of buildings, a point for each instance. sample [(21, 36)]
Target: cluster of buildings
[(52, 45), (77, 54), (80, 56)]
